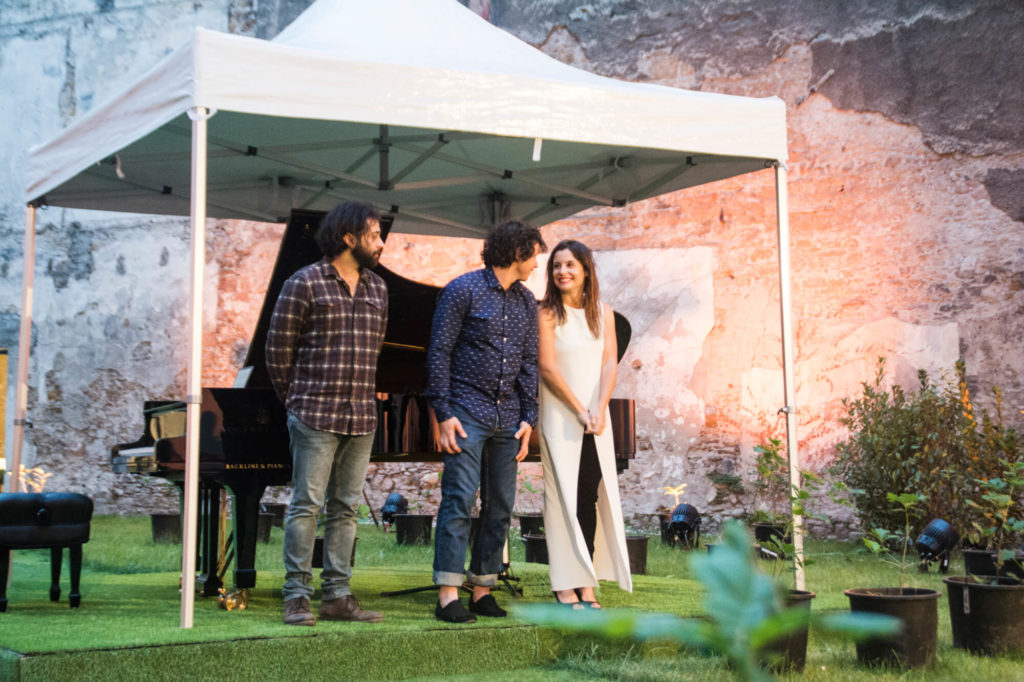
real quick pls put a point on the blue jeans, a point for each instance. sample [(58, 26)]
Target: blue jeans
[(487, 462), (324, 465)]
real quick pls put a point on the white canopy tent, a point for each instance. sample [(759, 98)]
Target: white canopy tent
[(417, 106)]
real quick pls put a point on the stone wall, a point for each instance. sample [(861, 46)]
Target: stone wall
[(906, 204)]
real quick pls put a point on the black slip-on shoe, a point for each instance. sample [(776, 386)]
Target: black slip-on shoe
[(455, 612), (487, 606)]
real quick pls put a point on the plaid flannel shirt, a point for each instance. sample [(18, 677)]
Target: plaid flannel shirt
[(322, 348)]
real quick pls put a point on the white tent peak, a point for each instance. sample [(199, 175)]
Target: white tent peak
[(441, 34)]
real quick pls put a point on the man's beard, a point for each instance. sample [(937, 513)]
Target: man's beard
[(365, 257)]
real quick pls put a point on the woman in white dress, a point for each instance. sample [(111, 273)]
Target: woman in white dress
[(582, 514)]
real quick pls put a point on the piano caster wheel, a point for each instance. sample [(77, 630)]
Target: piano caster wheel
[(233, 601)]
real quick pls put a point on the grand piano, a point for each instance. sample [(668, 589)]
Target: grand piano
[(243, 437)]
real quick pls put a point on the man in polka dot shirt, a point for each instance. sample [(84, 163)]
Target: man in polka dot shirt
[(482, 385)]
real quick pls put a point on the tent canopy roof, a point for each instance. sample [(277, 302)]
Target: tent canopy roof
[(418, 106)]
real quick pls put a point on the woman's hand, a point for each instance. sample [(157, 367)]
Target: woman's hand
[(597, 423), (585, 418)]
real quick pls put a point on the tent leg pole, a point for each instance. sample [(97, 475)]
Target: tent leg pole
[(788, 359), (13, 483), (199, 116), (13, 465)]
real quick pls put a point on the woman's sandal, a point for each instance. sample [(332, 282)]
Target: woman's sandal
[(574, 605), (587, 604)]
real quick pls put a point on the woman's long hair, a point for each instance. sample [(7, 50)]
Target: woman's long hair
[(591, 293)]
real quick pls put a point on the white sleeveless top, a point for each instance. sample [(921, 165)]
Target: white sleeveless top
[(578, 356)]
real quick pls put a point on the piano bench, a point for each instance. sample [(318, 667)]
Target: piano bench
[(40, 521)]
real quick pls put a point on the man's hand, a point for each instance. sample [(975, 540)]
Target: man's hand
[(449, 428), (523, 434)]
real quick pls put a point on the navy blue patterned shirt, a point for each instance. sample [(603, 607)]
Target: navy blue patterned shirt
[(483, 351)]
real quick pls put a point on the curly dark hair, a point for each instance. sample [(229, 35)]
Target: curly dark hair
[(510, 242), (349, 217)]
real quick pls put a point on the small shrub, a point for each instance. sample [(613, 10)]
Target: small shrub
[(771, 483), (935, 442)]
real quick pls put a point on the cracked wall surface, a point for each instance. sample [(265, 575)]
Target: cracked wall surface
[(906, 172)]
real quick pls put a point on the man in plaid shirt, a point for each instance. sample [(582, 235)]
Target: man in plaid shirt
[(325, 335)]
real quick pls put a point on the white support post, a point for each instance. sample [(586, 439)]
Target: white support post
[(13, 482), (199, 116), (788, 360)]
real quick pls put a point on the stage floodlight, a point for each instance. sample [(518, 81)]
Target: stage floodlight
[(934, 544), (395, 504), (684, 526)]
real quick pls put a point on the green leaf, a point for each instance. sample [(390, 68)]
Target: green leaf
[(860, 625)]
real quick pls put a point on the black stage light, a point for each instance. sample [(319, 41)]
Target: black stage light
[(684, 526), (395, 504), (934, 544)]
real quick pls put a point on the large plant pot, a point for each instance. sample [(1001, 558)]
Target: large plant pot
[(665, 528), (264, 522), (531, 524), (318, 552), (771, 536), (917, 610), (985, 613), (636, 547), (789, 654), (983, 562), (413, 529), (166, 528), (536, 548), (277, 510)]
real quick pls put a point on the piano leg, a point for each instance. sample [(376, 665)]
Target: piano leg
[(247, 510), (209, 535), (5, 562), (56, 559)]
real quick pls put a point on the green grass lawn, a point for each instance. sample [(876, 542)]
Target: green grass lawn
[(131, 601)]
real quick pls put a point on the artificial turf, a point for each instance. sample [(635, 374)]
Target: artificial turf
[(128, 624)]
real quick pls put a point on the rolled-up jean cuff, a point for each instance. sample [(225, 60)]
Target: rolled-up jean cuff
[(489, 580), (446, 579)]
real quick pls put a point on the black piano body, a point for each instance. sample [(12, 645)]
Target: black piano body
[(243, 439)]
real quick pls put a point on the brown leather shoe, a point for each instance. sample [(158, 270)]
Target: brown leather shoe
[(298, 612), (347, 608)]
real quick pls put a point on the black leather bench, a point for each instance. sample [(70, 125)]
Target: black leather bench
[(40, 521)]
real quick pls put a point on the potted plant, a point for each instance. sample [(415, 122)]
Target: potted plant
[(789, 652), (413, 528), (991, 552), (636, 548), (984, 610), (536, 545), (772, 514), (916, 608), (744, 616)]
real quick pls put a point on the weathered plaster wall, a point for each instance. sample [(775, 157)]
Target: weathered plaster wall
[(906, 175)]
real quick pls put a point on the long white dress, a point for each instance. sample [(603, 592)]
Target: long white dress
[(578, 356)]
